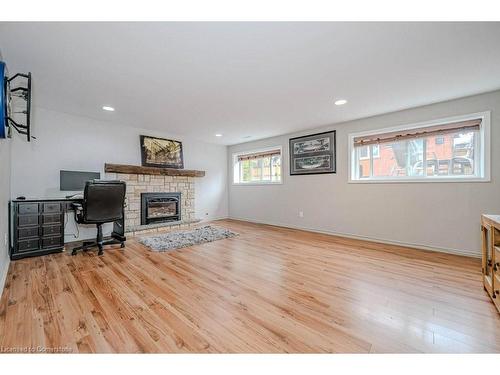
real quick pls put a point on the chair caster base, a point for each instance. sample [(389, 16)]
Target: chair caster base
[(88, 245)]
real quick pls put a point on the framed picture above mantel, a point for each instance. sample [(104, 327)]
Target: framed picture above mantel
[(162, 153), (313, 154)]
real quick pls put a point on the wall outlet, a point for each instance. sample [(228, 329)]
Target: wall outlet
[(301, 213), (6, 239)]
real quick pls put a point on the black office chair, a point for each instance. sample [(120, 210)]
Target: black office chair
[(103, 202)]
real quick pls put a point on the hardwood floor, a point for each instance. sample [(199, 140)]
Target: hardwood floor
[(268, 290)]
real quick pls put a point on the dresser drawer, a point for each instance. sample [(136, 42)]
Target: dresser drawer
[(27, 232), (51, 219), (52, 242), (51, 207), (51, 230), (27, 220), (27, 208), (28, 245)]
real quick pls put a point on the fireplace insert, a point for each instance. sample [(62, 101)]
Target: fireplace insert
[(160, 207)]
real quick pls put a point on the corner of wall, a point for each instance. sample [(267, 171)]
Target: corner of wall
[(5, 188), (5, 172)]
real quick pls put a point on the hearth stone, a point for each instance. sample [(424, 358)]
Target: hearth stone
[(162, 227)]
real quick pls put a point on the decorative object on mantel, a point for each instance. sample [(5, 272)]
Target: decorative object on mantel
[(313, 154), (176, 240), (161, 153), (137, 169)]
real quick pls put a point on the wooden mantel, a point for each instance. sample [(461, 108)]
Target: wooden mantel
[(136, 169)]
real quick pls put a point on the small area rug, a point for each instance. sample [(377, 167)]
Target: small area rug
[(177, 240)]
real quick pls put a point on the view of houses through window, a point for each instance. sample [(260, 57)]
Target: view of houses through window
[(258, 167), (447, 150)]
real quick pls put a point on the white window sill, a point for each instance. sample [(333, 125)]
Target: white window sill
[(256, 183), (419, 180)]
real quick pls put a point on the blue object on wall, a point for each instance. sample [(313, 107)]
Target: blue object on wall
[(3, 100)]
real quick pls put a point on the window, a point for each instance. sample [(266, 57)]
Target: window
[(364, 152), (451, 149), (257, 167)]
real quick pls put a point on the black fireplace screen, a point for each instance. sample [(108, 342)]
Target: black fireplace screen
[(160, 207)]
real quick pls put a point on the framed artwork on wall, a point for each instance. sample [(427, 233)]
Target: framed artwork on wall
[(162, 153), (313, 154)]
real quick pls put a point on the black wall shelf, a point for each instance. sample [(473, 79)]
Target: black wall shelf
[(19, 87)]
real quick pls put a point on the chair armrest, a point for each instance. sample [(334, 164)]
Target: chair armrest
[(77, 206)]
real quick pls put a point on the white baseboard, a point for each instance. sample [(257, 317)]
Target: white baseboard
[(214, 219), (365, 238), (3, 276)]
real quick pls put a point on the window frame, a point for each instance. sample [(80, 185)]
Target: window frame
[(482, 163), (253, 151)]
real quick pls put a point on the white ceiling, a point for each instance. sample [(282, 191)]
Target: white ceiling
[(249, 79)]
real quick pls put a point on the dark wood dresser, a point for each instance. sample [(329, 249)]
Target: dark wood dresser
[(36, 227)]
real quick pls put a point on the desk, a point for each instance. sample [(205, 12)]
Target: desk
[(36, 226)]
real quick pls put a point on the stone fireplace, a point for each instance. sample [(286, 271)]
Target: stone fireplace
[(170, 192)]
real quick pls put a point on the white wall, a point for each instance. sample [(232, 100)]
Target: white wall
[(77, 143), (441, 216), (5, 152)]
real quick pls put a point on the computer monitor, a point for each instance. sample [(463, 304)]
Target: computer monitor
[(75, 180)]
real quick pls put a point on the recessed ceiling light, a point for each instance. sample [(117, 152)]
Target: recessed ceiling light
[(107, 108), (218, 135), (340, 102)]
